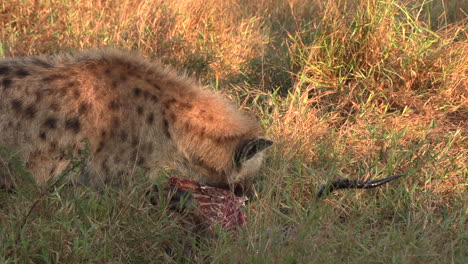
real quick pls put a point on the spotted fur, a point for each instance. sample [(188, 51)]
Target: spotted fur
[(133, 112)]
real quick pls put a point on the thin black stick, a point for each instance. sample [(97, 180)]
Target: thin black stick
[(346, 183)]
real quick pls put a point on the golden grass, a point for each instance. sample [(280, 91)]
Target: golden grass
[(357, 89)]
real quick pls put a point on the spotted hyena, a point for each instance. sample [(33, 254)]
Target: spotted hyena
[(134, 113)]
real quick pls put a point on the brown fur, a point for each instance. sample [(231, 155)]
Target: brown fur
[(134, 114)]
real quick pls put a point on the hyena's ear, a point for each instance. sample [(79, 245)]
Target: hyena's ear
[(249, 148)]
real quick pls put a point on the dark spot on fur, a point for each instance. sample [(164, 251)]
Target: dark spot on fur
[(201, 134), (54, 107), (83, 108), (172, 117), (168, 103), (103, 133), (115, 123), (38, 96), (21, 73), (100, 147), (156, 87), (123, 136), (51, 123), (186, 106), (73, 124), (4, 70), (150, 118), (133, 154), (123, 78), (114, 105), (137, 92), (146, 95), (53, 146), (107, 72), (154, 98), (166, 128), (70, 84), (54, 77), (42, 135), (134, 141), (17, 105), (6, 83), (140, 110), (114, 84), (62, 91), (30, 111), (76, 93), (92, 67), (62, 154), (141, 161)]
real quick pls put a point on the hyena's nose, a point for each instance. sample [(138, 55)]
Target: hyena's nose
[(239, 190), (243, 190)]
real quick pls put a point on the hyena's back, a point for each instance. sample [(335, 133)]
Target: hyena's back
[(134, 114)]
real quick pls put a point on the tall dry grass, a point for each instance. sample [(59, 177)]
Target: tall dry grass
[(357, 89)]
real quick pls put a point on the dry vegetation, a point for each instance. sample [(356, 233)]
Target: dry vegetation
[(358, 89)]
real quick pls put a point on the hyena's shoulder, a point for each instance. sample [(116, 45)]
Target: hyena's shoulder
[(132, 111)]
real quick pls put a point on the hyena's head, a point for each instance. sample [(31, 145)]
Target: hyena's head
[(245, 164)]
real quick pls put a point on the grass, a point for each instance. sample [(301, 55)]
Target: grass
[(358, 89)]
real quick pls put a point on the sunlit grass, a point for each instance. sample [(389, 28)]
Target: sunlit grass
[(358, 89)]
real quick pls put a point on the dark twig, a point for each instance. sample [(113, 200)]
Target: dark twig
[(346, 183)]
